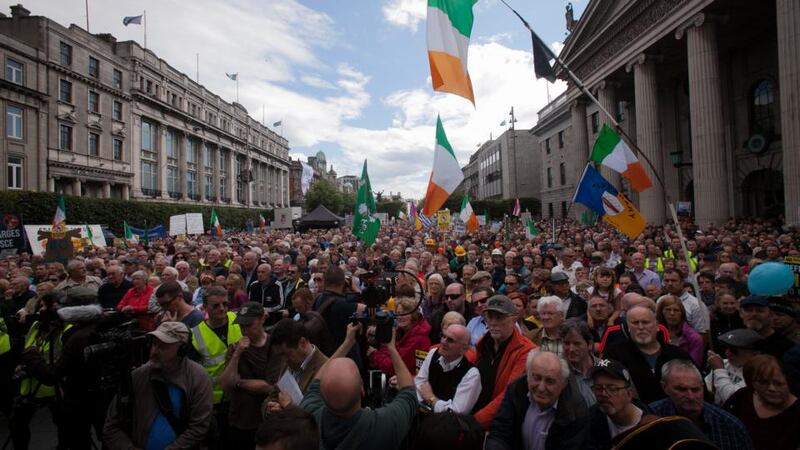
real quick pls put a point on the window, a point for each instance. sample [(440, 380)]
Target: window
[(148, 136), (549, 177), (563, 173), (764, 108), (94, 144), (14, 122), (65, 137), (209, 186), (65, 54), (564, 209), (116, 111), (65, 91), (13, 71), (118, 149), (172, 179), (561, 139), (117, 80), (208, 161), (223, 161), (94, 67), (14, 173), (550, 209), (221, 188), (191, 182), (239, 182), (595, 122), (547, 145), (149, 176), (172, 145), (191, 154), (149, 87), (94, 102)]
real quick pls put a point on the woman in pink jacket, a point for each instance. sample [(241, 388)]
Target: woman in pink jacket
[(412, 335), (671, 314)]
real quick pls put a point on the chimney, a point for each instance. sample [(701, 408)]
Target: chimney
[(19, 11)]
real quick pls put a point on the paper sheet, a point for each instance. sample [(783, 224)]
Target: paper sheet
[(288, 385)]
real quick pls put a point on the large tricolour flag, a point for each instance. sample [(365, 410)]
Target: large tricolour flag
[(611, 151), (446, 175), (449, 29), (468, 215), (216, 227)]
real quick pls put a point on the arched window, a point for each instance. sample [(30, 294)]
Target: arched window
[(764, 108)]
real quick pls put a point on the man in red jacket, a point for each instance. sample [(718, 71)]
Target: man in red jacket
[(501, 357)]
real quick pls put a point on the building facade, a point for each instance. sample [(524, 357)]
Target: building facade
[(87, 115), (504, 168), (706, 88)]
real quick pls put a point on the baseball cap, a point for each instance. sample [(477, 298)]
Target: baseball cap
[(479, 275), (556, 277), (459, 251), (611, 367), (249, 313), (171, 332), (80, 296), (741, 338), (757, 300), (777, 304), (500, 303), (497, 252)]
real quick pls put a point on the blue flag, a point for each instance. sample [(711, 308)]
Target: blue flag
[(597, 194), (591, 189), (132, 19)]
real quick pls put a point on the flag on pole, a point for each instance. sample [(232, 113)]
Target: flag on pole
[(530, 229), (597, 194), (130, 238), (60, 218), (232, 76), (424, 220), (277, 124), (306, 177), (216, 227), (517, 210), (611, 151), (503, 123), (468, 215), (449, 29), (365, 224), (137, 20), (446, 174), (262, 222), (412, 215), (542, 55)]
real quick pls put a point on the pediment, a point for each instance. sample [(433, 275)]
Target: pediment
[(599, 16), (68, 117)]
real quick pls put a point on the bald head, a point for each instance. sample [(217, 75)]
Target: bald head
[(632, 299), (459, 333), (341, 388)]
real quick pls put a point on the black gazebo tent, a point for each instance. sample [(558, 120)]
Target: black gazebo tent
[(321, 217)]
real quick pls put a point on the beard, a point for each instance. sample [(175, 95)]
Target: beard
[(607, 409), (642, 338)]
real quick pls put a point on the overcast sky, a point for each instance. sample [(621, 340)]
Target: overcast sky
[(348, 77)]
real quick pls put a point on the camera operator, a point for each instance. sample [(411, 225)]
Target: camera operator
[(171, 402), (44, 339), (335, 308), (79, 409)]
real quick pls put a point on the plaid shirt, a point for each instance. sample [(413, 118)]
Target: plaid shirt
[(720, 426)]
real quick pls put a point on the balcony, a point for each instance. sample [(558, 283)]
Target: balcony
[(151, 193), (211, 198), (195, 197), (225, 199), (174, 195)]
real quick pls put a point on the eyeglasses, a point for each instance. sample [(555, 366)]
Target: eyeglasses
[(607, 390), (452, 296)]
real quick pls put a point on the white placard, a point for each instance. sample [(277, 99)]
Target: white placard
[(283, 218), (37, 247), (177, 225), (194, 223)]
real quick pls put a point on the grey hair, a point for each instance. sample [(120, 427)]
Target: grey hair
[(170, 270), (679, 364), (139, 274), (550, 300), (533, 354)]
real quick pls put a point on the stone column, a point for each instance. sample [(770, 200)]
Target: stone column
[(710, 171), (126, 192), (184, 166), (607, 95), (215, 152), (106, 190), (648, 135), (788, 12), (162, 161), (231, 180), (51, 184), (76, 187), (580, 138)]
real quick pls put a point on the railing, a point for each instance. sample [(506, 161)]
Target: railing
[(175, 195), (194, 196), (151, 192), (225, 199)]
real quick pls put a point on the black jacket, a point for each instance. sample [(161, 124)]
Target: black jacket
[(269, 294), (599, 434), (577, 307), (570, 429), (647, 382)]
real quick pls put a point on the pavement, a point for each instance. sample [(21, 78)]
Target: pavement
[(44, 435)]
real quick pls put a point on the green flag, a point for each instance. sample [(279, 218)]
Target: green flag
[(365, 224), (531, 230)]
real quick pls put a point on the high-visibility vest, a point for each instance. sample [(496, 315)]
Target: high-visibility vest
[(659, 265), (692, 259), (213, 350), (5, 339), (30, 385)]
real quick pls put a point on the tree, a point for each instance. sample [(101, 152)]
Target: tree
[(324, 193)]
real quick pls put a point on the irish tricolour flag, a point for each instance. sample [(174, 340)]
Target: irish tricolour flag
[(611, 151), (449, 28), (468, 215), (446, 175), (216, 227)]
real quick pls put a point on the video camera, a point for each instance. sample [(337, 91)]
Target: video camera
[(378, 288), (117, 347)]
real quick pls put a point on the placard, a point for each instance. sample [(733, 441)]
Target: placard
[(443, 220), (481, 220), (794, 263), (283, 218), (39, 234), (12, 236), (194, 223), (177, 225)]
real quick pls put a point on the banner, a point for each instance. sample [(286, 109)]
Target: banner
[(794, 263), (12, 237), (443, 219), (157, 232), (38, 236)]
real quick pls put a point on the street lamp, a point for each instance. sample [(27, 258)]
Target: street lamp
[(677, 159)]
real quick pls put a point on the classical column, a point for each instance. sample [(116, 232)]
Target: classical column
[(710, 171), (184, 166), (580, 145), (648, 135), (126, 192), (607, 95), (231, 180), (76, 187), (788, 12), (106, 190), (215, 153), (162, 161), (51, 184)]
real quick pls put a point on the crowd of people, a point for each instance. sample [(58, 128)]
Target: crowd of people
[(494, 340)]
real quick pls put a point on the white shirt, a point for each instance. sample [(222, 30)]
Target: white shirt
[(570, 271), (724, 382), (467, 392)]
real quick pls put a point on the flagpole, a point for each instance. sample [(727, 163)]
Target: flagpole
[(144, 16), (197, 75), (237, 88), (87, 16)]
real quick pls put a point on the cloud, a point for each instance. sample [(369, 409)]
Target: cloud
[(316, 82), (405, 13)]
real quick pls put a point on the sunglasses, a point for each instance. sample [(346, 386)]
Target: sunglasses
[(481, 302)]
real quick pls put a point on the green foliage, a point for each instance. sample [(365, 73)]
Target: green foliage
[(392, 208), (495, 208), (39, 208), (322, 192)]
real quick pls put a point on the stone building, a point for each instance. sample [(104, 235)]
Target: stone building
[(503, 168), (706, 88), (87, 115)]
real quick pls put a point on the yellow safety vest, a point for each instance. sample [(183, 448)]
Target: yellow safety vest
[(5, 339), (213, 350), (659, 264), (692, 260), (30, 385)]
